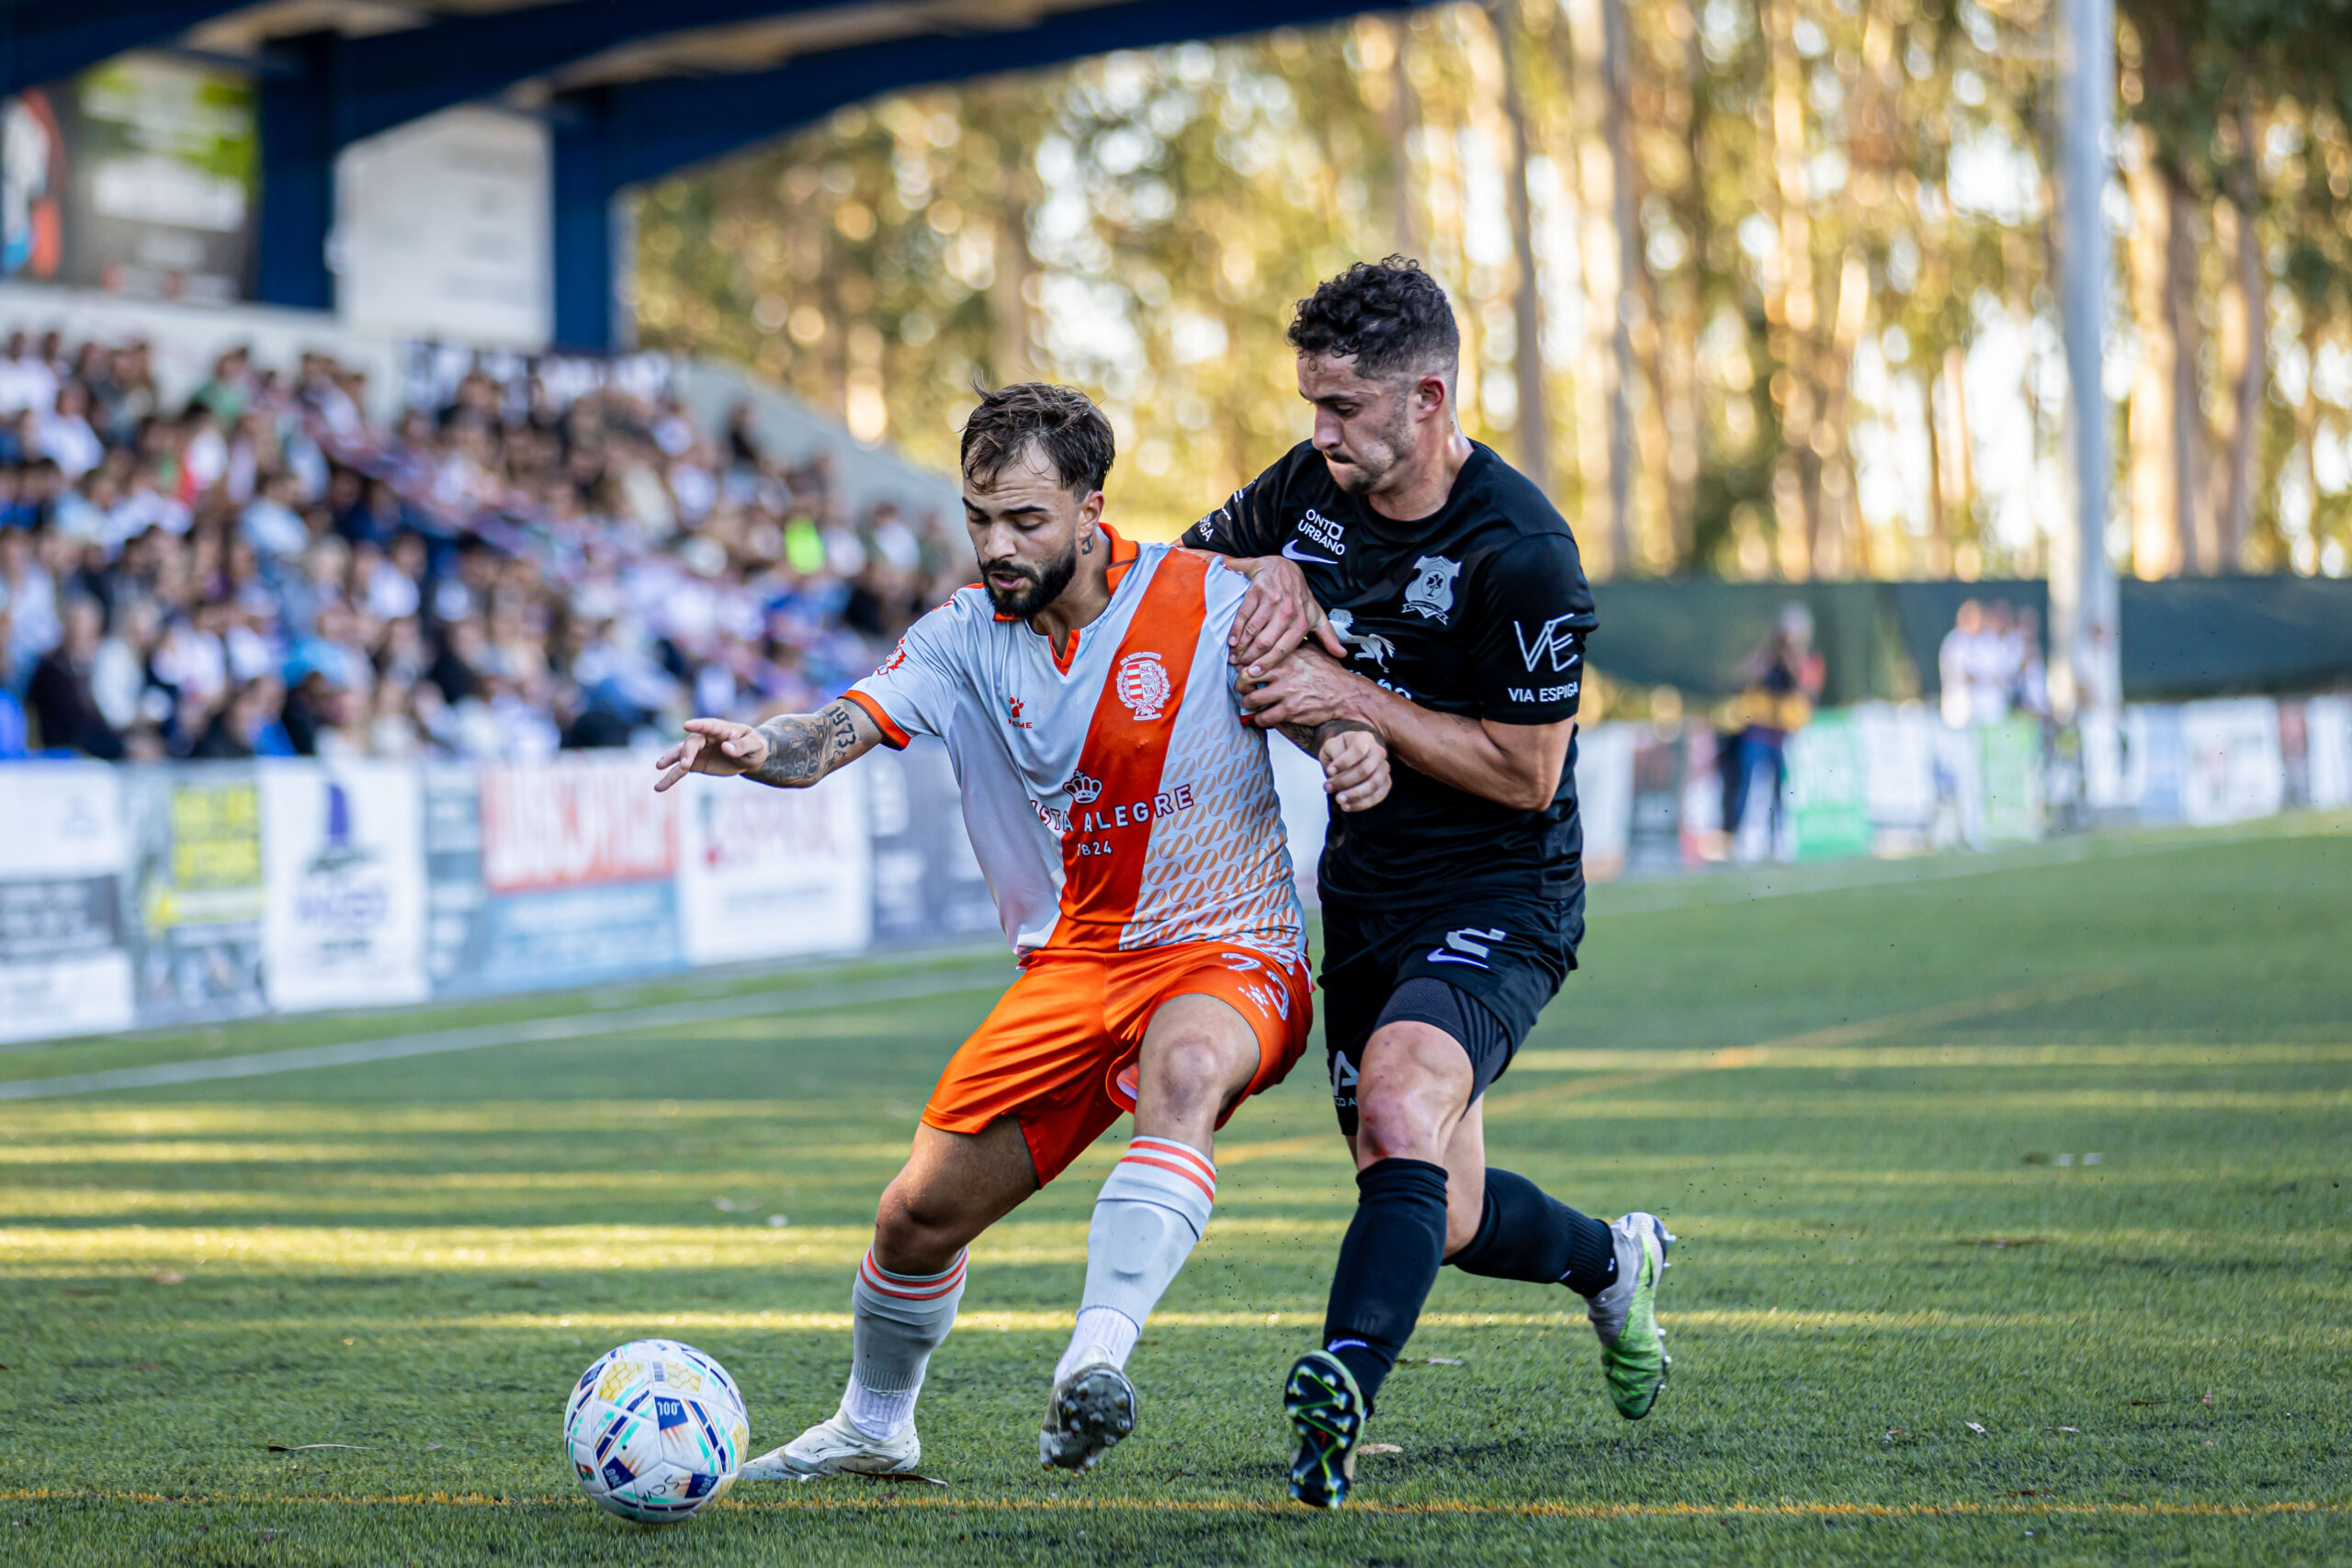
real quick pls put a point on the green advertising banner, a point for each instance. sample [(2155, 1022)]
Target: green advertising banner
[(137, 176), (2009, 773), (1828, 807)]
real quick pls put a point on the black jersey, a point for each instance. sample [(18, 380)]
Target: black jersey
[(1480, 609)]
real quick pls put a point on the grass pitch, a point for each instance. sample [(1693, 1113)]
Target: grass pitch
[(2011, 1204)]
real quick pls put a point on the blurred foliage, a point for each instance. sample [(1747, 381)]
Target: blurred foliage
[(1839, 353)]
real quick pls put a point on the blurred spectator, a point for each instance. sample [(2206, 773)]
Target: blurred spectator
[(1979, 665), (1780, 680), (264, 571), (60, 697)]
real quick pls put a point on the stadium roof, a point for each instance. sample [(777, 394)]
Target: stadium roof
[(633, 89)]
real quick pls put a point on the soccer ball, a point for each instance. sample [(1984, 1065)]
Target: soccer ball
[(656, 1430)]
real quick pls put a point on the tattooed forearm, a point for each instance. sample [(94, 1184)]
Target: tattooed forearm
[(1310, 738), (805, 747)]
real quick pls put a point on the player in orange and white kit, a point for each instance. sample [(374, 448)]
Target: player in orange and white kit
[(1126, 818)]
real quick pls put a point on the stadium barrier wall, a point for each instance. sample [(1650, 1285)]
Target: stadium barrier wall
[(174, 893)]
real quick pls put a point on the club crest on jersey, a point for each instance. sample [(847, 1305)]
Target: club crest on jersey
[(1430, 592), (1082, 789), (1142, 683)]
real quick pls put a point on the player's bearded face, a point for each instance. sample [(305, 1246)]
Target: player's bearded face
[(1038, 585)]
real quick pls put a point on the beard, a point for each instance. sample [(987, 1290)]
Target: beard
[(1369, 465), (1043, 585)]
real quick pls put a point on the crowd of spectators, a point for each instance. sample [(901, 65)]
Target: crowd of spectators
[(262, 570)]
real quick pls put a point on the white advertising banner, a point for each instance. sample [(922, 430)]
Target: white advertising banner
[(1605, 796), (442, 230), (64, 968), (770, 872), (342, 860), (2235, 771), (1898, 746), (2327, 729)]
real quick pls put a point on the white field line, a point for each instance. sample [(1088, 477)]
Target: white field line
[(525, 1032)]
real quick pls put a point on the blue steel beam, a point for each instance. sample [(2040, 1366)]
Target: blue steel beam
[(396, 77), (44, 41), (659, 125), (299, 142)]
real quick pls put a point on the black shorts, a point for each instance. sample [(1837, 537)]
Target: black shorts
[(1480, 970)]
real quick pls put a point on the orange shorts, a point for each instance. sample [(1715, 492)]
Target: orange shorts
[(1054, 1051)]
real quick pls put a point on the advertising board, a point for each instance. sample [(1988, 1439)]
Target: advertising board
[(927, 882), (578, 872), (342, 865), (2328, 730), (442, 229), (1829, 811), (63, 965), (137, 177), (2008, 775), (771, 872), (2234, 769), (196, 885)]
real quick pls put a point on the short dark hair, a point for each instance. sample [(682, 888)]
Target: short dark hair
[(1062, 422), (1390, 314)]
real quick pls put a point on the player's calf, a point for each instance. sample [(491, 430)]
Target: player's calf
[(1198, 1057)]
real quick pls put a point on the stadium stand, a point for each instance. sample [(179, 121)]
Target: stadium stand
[(519, 562)]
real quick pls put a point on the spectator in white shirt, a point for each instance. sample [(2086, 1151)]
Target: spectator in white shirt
[(65, 436)]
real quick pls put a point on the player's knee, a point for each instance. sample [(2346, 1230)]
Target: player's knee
[(1393, 1121), (1189, 1074), (913, 1225)]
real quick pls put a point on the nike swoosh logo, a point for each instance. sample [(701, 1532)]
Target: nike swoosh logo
[(1290, 552)]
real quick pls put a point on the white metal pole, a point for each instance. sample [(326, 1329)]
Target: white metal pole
[(2085, 640)]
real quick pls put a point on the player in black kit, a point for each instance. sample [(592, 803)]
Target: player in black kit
[(1451, 611)]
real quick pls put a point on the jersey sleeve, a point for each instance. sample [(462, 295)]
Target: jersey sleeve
[(1533, 610), (915, 689), (1246, 524)]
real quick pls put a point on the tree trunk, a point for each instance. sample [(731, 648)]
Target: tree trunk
[(2199, 550), (2152, 430), (1678, 377), (1403, 114), (1624, 223), (1534, 424), (1789, 305), (2246, 352)]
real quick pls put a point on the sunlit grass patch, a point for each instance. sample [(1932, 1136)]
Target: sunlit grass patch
[(1911, 1319)]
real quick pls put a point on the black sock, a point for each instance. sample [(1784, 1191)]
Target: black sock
[(1388, 1264), (1524, 1234)]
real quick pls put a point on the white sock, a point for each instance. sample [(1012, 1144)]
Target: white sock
[(1153, 1207), (899, 1319)]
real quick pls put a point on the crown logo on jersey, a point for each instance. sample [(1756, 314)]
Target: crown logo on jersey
[(1143, 684), (1082, 789)]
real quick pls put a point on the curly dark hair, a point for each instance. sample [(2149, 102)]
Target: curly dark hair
[(1062, 420), (1390, 314)]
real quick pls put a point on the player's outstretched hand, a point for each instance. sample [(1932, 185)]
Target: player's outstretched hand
[(720, 747), (1355, 770), (1277, 615)]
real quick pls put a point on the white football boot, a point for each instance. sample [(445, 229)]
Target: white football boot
[(835, 1446), (1090, 1410)]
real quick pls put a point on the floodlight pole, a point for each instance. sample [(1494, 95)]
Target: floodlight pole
[(2086, 633)]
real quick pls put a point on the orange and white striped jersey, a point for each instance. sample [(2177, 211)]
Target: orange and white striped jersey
[(1116, 798)]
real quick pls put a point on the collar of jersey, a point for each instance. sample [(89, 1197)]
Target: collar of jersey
[(1123, 555)]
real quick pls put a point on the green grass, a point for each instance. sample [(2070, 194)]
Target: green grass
[(1880, 1246)]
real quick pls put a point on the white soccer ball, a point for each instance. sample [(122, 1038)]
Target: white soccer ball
[(656, 1430)]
